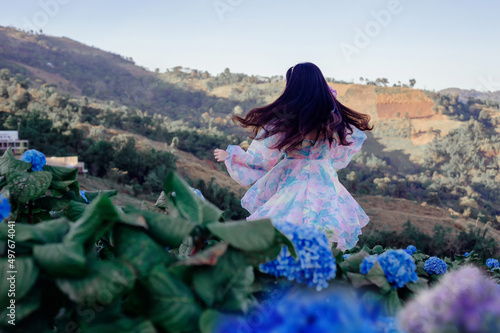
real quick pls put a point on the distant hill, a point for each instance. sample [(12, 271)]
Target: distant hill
[(66, 97), (464, 94)]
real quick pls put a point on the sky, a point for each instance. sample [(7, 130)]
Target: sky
[(440, 44)]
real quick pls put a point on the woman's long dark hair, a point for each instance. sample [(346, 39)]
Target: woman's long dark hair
[(305, 106)]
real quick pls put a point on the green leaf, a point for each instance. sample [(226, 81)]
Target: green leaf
[(122, 325), (173, 305), (255, 235), (137, 248), (91, 195), (392, 304), (420, 269), (378, 249), (418, 286), (46, 232), (24, 279), (226, 286), (9, 163), (358, 280), (99, 217), (210, 213), (352, 263), (61, 185), (49, 203), (377, 276), (209, 321), (186, 201), (74, 210), (60, 173), (105, 282), (166, 229), (61, 259), (26, 186)]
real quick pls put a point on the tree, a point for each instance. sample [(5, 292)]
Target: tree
[(412, 83)]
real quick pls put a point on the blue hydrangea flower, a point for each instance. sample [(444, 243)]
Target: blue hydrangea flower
[(434, 265), (399, 267), (492, 263), (466, 254), (198, 192), (315, 265), (411, 249), (5, 208), (329, 311), (82, 194), (368, 263), (345, 256), (36, 158)]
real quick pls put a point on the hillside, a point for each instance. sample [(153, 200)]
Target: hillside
[(74, 99), (465, 94)]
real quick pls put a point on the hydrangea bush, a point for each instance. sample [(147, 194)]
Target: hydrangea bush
[(315, 265), (463, 301), (176, 265), (302, 311)]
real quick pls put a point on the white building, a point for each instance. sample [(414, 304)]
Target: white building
[(11, 139)]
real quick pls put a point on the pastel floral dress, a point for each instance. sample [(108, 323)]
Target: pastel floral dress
[(303, 187)]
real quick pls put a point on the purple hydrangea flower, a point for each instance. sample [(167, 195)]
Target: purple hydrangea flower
[(434, 265), (411, 249), (36, 158), (368, 263), (5, 208), (315, 265), (297, 312), (464, 300)]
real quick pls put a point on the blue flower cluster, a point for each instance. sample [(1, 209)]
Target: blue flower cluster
[(4, 208), (492, 263), (398, 266), (36, 158), (329, 311), (411, 249), (82, 194), (434, 265), (466, 254), (368, 263), (315, 265)]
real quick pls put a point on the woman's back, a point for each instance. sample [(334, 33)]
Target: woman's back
[(301, 186)]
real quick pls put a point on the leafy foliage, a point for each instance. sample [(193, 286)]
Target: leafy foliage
[(112, 258)]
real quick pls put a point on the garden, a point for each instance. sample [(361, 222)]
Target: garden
[(75, 262)]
